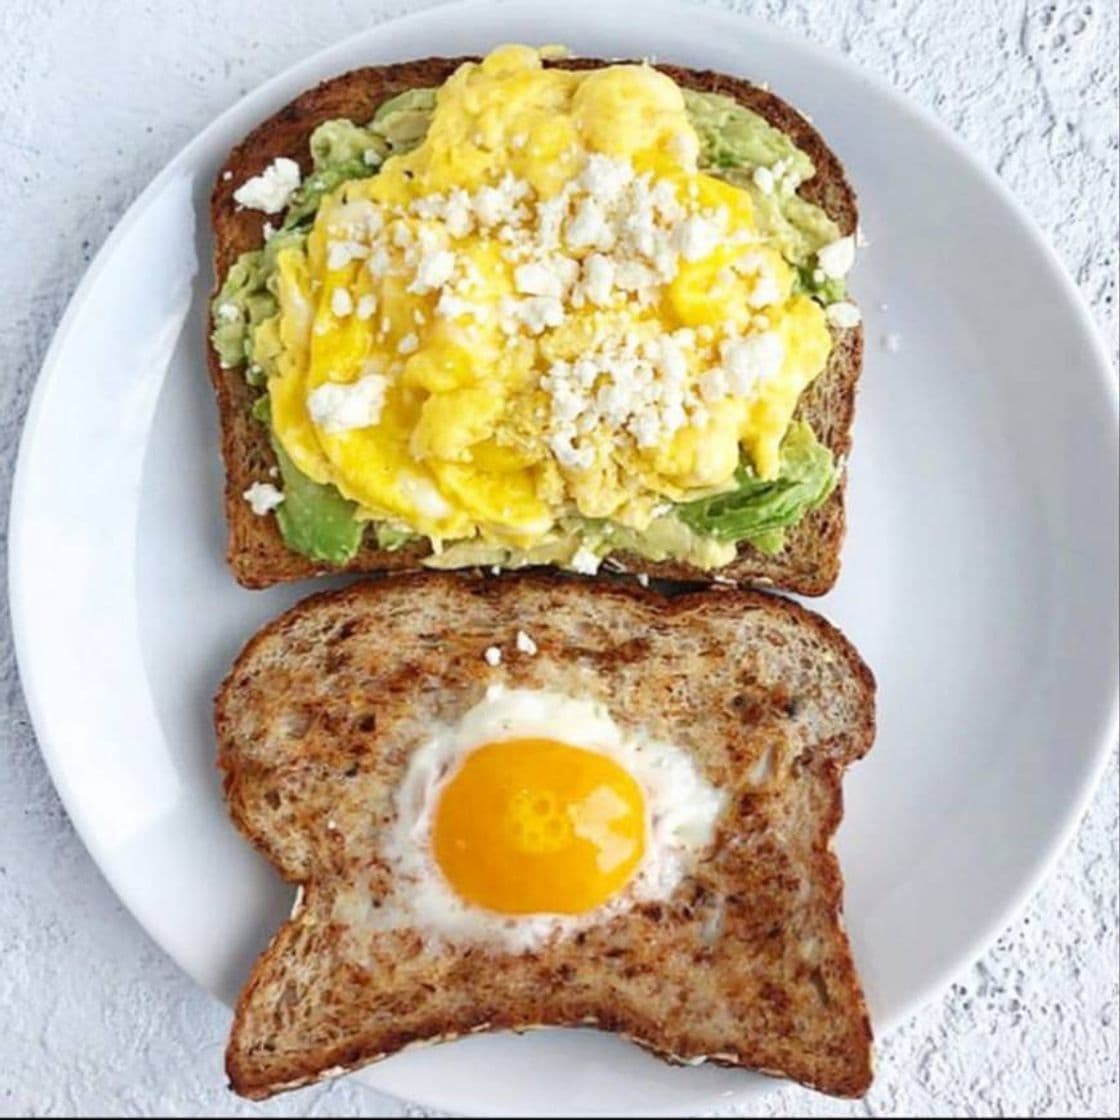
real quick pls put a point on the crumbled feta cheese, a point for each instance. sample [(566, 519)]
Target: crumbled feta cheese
[(844, 315), (606, 177), (263, 497), (433, 271), (367, 305), (585, 561), (226, 176), (272, 188), (493, 656), (695, 237), (539, 312), (643, 579), (458, 215), (408, 345), (588, 228), (337, 407), (451, 306), (341, 253), (751, 361), (378, 263), (538, 279), (341, 303), (836, 258), (766, 290), (713, 385), (550, 219), (598, 279), (493, 205), (525, 644), (763, 178)]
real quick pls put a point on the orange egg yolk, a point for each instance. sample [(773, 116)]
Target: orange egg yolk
[(538, 826)]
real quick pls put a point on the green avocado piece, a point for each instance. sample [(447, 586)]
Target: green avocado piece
[(244, 302), (402, 121), (760, 511), (305, 201), (734, 143), (340, 151), (315, 519), (733, 136), (338, 142), (393, 537)]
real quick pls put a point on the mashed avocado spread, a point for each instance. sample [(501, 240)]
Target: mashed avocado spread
[(737, 146)]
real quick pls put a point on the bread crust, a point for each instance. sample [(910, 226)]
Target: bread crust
[(724, 673), (808, 564)]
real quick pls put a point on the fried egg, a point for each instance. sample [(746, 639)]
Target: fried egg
[(536, 814)]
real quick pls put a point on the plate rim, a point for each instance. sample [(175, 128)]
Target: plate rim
[(20, 554)]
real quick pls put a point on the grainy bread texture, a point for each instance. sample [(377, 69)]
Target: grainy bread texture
[(746, 963), (810, 561)]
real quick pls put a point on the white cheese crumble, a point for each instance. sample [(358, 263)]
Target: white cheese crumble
[(525, 644), (409, 344), (263, 497), (341, 303), (752, 360), (433, 271), (493, 656), (272, 188), (228, 312), (764, 179), (844, 315), (338, 407), (585, 561), (696, 237), (837, 258), (341, 253), (367, 305)]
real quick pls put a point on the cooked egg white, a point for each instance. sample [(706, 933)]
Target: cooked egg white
[(506, 836), (549, 309)]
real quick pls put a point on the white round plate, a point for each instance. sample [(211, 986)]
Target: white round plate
[(979, 579)]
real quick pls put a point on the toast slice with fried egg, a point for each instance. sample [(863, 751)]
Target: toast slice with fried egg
[(807, 562), (455, 772)]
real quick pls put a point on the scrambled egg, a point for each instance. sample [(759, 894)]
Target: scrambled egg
[(543, 310)]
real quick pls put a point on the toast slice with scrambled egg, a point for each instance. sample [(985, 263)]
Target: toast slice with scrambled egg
[(538, 801), (360, 433)]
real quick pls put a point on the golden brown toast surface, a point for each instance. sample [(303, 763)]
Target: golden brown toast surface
[(810, 561), (745, 963)]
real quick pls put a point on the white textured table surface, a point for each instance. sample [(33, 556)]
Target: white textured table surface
[(95, 96)]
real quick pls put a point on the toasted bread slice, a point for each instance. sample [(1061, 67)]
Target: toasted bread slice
[(810, 561), (746, 963)]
